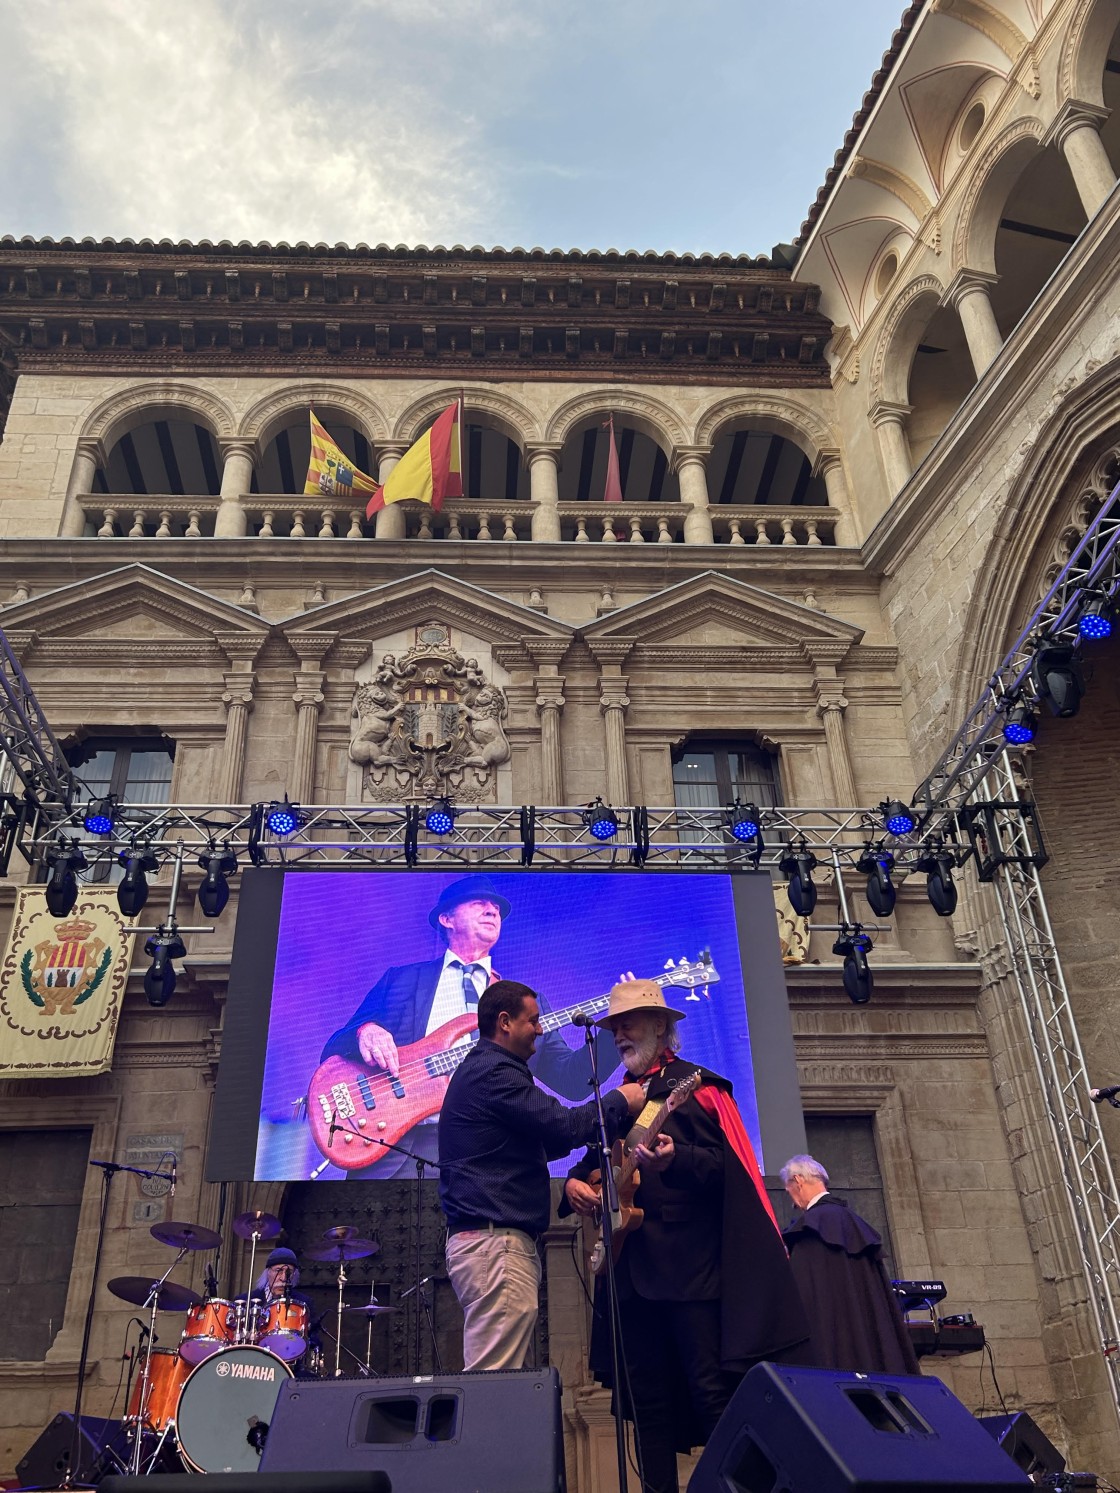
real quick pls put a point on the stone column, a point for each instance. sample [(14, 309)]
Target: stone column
[(969, 294), (89, 454), (237, 478), (238, 701), (691, 463), (308, 700), (544, 489), (890, 421), (831, 705), (1076, 133), (546, 654), (613, 703), (390, 520), (830, 466)]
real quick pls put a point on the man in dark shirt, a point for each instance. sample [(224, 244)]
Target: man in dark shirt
[(497, 1133)]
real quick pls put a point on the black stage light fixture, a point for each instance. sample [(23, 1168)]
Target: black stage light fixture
[(941, 889), (1020, 725), (897, 818), (1097, 617), (213, 890), (62, 885), (132, 890), (159, 978), (744, 821), (1057, 679), (283, 818), (601, 820), (100, 815), (798, 865), (877, 863), (440, 818), (855, 946)]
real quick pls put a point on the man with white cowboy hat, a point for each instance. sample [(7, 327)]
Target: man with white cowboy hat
[(705, 1287)]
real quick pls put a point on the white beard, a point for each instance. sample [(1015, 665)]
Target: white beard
[(639, 1059)]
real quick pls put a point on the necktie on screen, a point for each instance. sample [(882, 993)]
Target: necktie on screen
[(470, 992)]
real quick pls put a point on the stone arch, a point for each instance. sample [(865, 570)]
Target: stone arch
[(1039, 513), (509, 416), (907, 318), (264, 420), (786, 417), (122, 411), (974, 238), (648, 415), (1080, 72)]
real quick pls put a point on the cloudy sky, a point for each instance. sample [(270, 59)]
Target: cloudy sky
[(651, 124)]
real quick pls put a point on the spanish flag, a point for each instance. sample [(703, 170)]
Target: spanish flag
[(331, 473), (430, 470)]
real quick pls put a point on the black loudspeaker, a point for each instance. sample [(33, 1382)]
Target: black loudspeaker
[(45, 1464), (791, 1430), (498, 1432), (1027, 1446)]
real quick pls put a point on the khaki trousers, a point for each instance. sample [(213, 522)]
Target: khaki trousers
[(497, 1277)]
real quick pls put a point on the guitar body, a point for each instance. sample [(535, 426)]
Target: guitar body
[(366, 1101), (628, 1217)]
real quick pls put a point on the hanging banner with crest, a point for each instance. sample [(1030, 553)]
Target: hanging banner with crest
[(61, 986)]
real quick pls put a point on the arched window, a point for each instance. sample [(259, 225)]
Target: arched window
[(167, 457), (284, 461), (643, 466), (753, 466)]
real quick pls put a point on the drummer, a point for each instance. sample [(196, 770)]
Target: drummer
[(279, 1277)]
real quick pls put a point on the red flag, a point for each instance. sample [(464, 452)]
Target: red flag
[(612, 493)]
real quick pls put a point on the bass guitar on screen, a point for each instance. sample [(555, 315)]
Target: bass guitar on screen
[(351, 1104)]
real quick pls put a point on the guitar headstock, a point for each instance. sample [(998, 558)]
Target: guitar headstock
[(689, 973), (683, 1089)]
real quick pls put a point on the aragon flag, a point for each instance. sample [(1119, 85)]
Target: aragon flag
[(430, 470), (331, 473)]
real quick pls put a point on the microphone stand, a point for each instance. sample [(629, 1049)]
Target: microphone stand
[(609, 1208), (109, 1170), (418, 1288)]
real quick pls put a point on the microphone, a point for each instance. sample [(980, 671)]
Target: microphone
[(1099, 1095), (174, 1175), (404, 1295), (581, 1018)]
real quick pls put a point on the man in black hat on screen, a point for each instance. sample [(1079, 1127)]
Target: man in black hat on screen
[(410, 1001)]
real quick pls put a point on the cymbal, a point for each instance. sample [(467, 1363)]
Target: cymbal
[(340, 1231), (137, 1288), (264, 1225), (345, 1249), (371, 1309), (185, 1235)]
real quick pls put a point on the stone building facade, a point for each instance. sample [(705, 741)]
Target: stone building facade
[(850, 470)]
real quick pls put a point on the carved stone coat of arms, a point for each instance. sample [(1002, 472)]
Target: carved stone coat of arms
[(429, 724)]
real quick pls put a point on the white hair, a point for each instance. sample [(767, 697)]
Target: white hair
[(803, 1166)]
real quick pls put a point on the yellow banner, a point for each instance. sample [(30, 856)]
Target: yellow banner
[(61, 986)]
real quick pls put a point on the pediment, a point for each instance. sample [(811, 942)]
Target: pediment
[(133, 610), (431, 595), (714, 611)]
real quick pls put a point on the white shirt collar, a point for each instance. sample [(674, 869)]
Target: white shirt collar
[(817, 1199), (450, 957)]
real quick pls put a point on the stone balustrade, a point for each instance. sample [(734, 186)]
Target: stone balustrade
[(295, 516)]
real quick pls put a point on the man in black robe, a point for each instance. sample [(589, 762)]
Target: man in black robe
[(705, 1288), (837, 1262)]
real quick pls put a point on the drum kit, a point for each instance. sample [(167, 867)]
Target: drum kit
[(233, 1354)]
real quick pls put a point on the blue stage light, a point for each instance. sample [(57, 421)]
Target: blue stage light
[(745, 822), (1095, 621), (899, 820), (440, 818), (601, 820), (282, 819), (100, 816), (1020, 726)]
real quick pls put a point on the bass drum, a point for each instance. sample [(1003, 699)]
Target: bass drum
[(227, 1398)]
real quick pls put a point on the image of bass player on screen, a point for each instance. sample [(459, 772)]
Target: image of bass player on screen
[(410, 1001), (705, 1287)]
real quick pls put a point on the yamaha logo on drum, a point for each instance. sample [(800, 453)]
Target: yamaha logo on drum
[(246, 1371)]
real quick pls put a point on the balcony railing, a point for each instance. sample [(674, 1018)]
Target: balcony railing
[(290, 516)]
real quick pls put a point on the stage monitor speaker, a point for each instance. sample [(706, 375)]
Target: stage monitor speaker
[(254, 1482), (45, 1464), (1027, 1446), (790, 1430), (498, 1432)]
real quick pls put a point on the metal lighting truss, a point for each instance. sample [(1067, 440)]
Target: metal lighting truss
[(1092, 571), (343, 836), (1063, 1078)]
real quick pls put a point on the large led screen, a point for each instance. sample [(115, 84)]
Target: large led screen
[(331, 968)]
